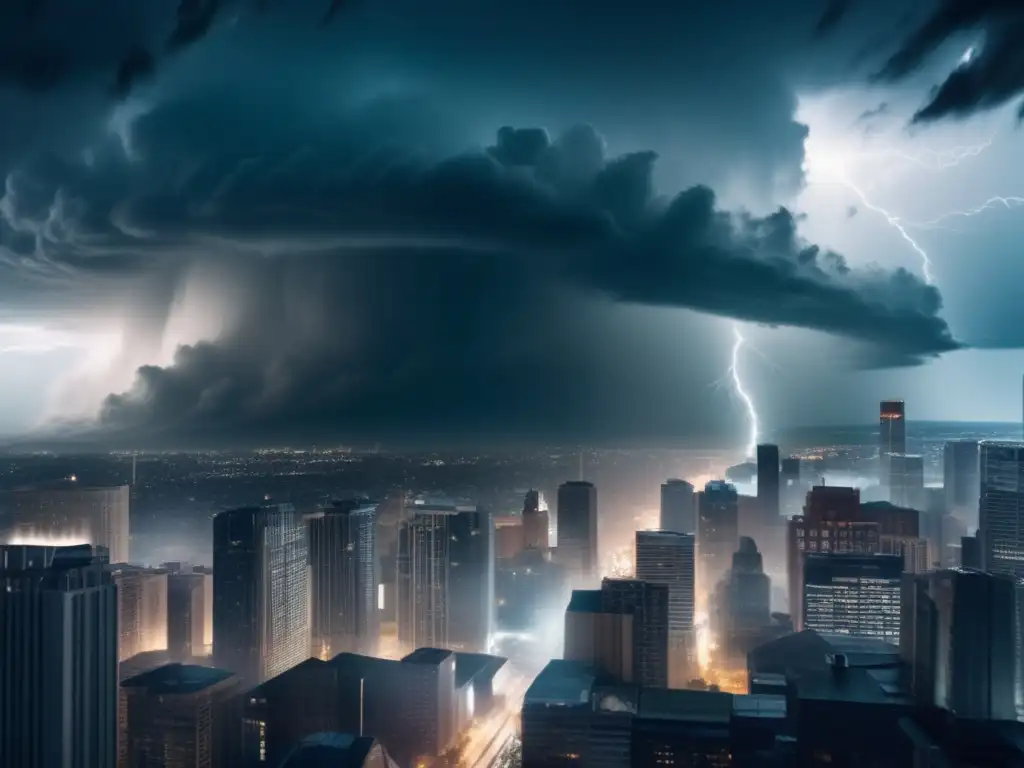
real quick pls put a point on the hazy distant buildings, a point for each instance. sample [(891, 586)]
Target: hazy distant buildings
[(142, 609), (669, 558), (622, 628), (536, 524), (892, 435), (960, 479), (957, 640), (678, 507), (67, 514), (446, 577), (577, 530), (1001, 507), (180, 716), (509, 536), (260, 591), (343, 578), (717, 532), (744, 598), (853, 594), (58, 658), (906, 480)]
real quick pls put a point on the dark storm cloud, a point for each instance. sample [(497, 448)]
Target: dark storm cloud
[(994, 75), (830, 18)]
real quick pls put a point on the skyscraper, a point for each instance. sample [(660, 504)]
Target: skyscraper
[(746, 591), (678, 507), (69, 513), (906, 480), (58, 658), (667, 557), (260, 592), (960, 480), (892, 435), (791, 489), (957, 639), (851, 594), (446, 577), (1001, 507), (343, 578), (536, 525), (768, 483), (717, 532), (186, 615), (577, 530), (141, 609)]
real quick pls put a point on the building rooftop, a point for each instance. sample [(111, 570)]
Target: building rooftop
[(330, 750), (476, 666), (851, 684), (562, 683), (685, 705), (430, 656), (585, 601), (807, 651), (177, 679)]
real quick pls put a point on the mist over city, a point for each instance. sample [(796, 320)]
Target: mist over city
[(478, 385)]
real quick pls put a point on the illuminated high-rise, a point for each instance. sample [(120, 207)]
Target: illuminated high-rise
[(142, 609), (536, 525), (892, 435), (669, 558), (343, 578), (69, 513), (260, 592), (851, 594), (58, 658), (717, 532), (577, 530), (678, 507), (1001, 507)]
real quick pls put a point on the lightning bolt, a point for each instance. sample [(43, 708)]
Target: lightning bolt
[(1009, 203), (737, 382), (895, 223)]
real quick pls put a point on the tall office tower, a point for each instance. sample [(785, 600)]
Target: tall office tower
[(446, 577), (343, 578), (831, 523), (669, 558), (205, 618), (957, 640), (678, 507), (536, 525), (892, 436), (906, 480), (67, 514), (768, 483), (970, 553), (1001, 508), (260, 592), (852, 594), (577, 530), (181, 716), (717, 533), (622, 627), (141, 609), (509, 536), (960, 480), (58, 658), (186, 614)]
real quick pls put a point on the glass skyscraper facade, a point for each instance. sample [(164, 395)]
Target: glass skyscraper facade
[(1001, 507), (856, 595), (260, 592)]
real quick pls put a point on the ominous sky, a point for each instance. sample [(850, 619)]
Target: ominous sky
[(262, 222)]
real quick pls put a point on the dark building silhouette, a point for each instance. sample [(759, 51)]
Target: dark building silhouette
[(678, 507), (768, 486), (970, 553), (343, 578), (338, 750), (181, 716), (957, 639), (260, 592), (186, 614), (892, 435), (577, 530), (743, 600), (717, 532), (58, 658)]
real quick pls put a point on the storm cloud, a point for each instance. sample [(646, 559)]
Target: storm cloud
[(992, 76)]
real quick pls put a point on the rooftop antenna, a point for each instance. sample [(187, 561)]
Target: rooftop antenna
[(581, 465)]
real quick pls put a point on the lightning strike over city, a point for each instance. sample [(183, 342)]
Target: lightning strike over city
[(753, 422)]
